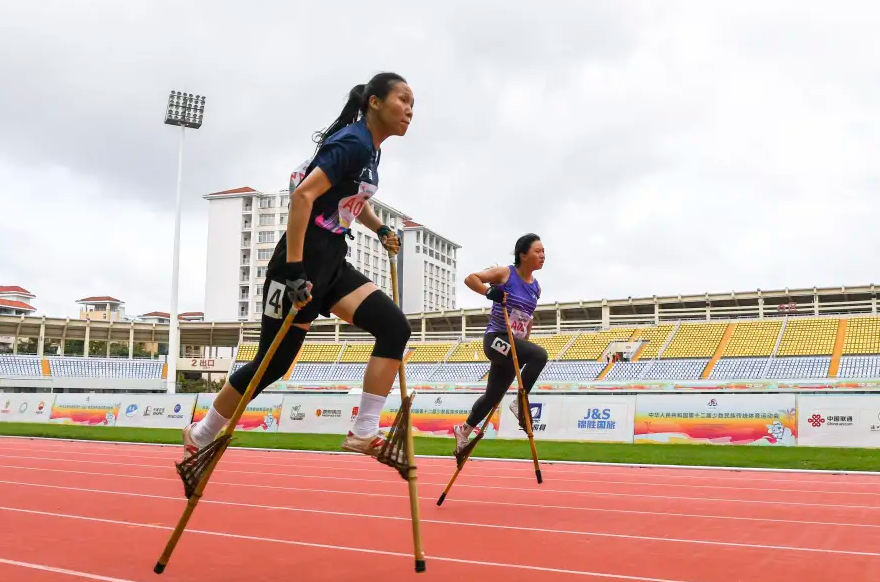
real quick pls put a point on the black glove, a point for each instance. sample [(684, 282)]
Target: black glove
[(298, 286), (495, 294)]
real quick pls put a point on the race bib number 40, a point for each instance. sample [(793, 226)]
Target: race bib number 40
[(350, 207)]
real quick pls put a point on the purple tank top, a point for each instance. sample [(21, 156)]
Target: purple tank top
[(522, 299)]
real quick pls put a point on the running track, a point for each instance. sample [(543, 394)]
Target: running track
[(74, 511)]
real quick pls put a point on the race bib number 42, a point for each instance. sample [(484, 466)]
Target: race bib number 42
[(519, 323)]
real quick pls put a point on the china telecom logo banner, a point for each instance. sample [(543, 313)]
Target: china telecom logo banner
[(724, 419), (839, 420)]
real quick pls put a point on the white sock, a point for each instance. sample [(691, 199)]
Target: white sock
[(207, 429), (367, 421)]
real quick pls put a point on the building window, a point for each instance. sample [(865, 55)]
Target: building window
[(282, 218), (264, 254), (261, 272), (266, 236), (348, 252), (267, 219), (266, 202)]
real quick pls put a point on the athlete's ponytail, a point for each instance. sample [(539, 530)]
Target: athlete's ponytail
[(358, 101)]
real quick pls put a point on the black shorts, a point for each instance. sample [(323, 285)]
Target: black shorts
[(331, 275), (332, 279)]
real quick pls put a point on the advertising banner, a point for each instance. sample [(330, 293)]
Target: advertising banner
[(86, 409), (573, 418), (436, 414), (156, 410), (840, 420), (724, 419), (262, 414), (24, 407), (318, 413)]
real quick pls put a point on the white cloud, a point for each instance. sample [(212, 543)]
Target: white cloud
[(64, 238), (656, 147)]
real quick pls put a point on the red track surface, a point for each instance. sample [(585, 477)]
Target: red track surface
[(87, 511)]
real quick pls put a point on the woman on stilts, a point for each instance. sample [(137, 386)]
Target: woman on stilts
[(516, 288), (308, 270)]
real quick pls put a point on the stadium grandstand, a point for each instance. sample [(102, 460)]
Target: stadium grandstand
[(781, 335)]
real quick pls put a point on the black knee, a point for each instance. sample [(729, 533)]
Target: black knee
[(540, 357), (381, 317), (278, 366)]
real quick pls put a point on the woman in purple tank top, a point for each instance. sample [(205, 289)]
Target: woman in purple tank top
[(515, 287)]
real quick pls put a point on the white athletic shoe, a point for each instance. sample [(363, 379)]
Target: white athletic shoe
[(189, 445), (514, 407), (461, 439)]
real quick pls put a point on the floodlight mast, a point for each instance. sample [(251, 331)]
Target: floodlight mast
[(187, 111)]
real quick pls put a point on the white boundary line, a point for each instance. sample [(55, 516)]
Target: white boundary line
[(541, 506), (586, 478), (342, 548), (600, 534), (267, 458), (531, 490), (62, 571), (491, 459)]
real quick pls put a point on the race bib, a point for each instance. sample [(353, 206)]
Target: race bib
[(351, 206), (348, 210), (519, 323), (298, 175)]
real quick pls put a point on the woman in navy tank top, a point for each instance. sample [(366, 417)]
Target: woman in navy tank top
[(515, 287)]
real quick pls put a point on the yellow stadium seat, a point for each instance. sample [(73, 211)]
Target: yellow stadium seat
[(862, 336), (656, 338), (246, 351), (589, 346), (429, 352), (356, 352), (753, 338), (552, 343), (808, 337), (471, 351), (695, 340), (319, 352)]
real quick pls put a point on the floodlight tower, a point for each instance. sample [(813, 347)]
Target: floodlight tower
[(184, 110)]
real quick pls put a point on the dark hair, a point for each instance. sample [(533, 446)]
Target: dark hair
[(358, 101), (523, 244)]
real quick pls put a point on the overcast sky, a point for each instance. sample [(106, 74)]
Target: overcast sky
[(656, 147)]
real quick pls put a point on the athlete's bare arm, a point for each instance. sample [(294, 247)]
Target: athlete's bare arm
[(477, 282)]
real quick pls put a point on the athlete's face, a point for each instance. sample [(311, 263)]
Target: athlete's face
[(396, 110), (534, 259)]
